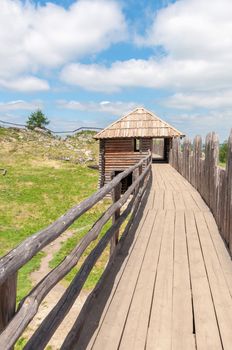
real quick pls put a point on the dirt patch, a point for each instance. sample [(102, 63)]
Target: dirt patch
[(47, 163), (52, 298)]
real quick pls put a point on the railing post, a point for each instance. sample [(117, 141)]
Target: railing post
[(115, 217), (7, 300)]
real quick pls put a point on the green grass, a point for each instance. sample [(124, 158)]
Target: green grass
[(35, 192), (32, 198), (37, 189), (20, 343), (89, 219), (222, 164)]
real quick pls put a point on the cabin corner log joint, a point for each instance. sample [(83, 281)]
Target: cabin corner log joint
[(126, 141)]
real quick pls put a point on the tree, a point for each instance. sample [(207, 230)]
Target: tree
[(37, 119), (223, 152)]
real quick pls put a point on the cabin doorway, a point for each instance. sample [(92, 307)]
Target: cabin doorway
[(160, 149), (126, 182), (158, 153)]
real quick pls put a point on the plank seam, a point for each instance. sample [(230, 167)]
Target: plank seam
[(219, 260), (153, 292), (219, 331), (92, 347), (100, 325), (137, 280), (190, 280)]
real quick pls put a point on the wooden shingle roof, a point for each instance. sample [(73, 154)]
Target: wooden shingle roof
[(139, 123)]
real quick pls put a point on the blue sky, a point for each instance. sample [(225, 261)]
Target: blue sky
[(87, 62)]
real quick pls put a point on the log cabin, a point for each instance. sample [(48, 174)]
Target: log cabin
[(126, 141)]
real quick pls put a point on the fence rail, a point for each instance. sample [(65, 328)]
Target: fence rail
[(90, 128), (213, 182), (12, 324)]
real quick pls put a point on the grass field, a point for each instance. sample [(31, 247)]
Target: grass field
[(37, 190)]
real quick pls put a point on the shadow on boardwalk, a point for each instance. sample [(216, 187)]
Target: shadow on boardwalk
[(81, 334)]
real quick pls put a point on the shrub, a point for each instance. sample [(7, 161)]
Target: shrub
[(223, 152), (37, 119)]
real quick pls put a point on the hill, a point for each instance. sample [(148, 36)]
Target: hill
[(80, 148), (46, 176)]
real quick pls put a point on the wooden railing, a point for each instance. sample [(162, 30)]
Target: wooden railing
[(213, 182), (12, 324)]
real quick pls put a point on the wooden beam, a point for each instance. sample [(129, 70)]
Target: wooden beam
[(29, 306), (7, 301), (19, 256), (115, 217)]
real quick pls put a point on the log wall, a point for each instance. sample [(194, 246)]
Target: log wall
[(213, 182), (101, 163), (119, 155)]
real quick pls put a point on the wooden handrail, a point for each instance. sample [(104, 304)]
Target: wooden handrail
[(29, 306), (19, 256)]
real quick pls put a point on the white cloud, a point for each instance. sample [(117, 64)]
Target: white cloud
[(21, 84), (166, 73), (34, 38), (215, 100), (194, 29), (196, 36), (115, 108), (20, 105), (201, 123)]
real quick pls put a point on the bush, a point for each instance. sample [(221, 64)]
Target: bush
[(37, 119), (223, 152)]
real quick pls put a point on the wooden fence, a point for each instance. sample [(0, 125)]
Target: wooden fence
[(12, 324), (214, 183)]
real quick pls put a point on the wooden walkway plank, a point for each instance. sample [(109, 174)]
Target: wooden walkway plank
[(182, 318), (199, 200), (166, 174), (168, 200), (176, 182), (161, 182), (110, 332), (150, 200), (219, 245), (159, 199), (207, 334), (173, 291), (86, 339), (179, 201), (219, 288), (189, 201), (160, 325), (181, 184), (134, 335)]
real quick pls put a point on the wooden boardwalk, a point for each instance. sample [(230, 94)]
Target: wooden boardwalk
[(171, 284)]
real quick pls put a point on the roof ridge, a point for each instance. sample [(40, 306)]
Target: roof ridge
[(153, 115), (115, 122)]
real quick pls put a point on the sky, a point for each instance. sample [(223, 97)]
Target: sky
[(88, 62)]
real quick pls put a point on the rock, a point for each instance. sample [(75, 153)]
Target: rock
[(42, 131)]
